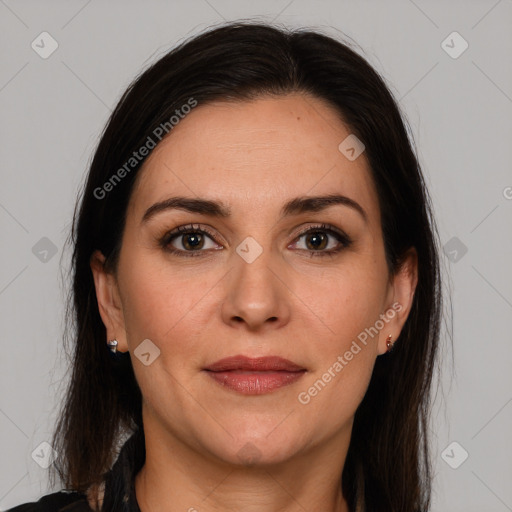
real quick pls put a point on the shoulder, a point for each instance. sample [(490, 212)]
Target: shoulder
[(61, 501)]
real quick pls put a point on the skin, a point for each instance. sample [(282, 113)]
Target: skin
[(253, 156)]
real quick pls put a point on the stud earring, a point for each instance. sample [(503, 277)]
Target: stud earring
[(389, 343), (112, 344)]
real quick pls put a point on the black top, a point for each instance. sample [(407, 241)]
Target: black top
[(119, 486)]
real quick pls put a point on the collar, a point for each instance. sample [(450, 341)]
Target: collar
[(120, 480)]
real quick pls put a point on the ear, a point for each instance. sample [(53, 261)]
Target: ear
[(400, 298), (109, 302)]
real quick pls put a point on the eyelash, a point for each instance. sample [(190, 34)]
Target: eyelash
[(165, 241)]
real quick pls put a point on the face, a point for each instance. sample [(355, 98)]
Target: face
[(305, 281)]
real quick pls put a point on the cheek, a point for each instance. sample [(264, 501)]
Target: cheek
[(165, 306), (347, 307), (159, 303), (334, 393), (343, 304)]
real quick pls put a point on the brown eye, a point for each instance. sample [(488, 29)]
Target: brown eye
[(322, 241), (189, 240), (316, 240)]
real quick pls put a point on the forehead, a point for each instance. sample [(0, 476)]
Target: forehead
[(259, 152)]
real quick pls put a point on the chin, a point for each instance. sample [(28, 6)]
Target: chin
[(251, 450)]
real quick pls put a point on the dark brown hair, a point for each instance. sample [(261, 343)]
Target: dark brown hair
[(387, 466)]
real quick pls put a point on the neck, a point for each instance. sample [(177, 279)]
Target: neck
[(179, 477)]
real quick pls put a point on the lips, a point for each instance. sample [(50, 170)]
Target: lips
[(243, 363), (254, 376)]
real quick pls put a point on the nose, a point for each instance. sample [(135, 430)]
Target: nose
[(256, 297)]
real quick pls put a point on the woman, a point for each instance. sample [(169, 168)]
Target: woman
[(256, 289)]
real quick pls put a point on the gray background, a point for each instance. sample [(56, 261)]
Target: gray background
[(460, 110)]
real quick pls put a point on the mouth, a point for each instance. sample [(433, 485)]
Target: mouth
[(254, 376)]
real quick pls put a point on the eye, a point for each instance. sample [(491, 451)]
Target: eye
[(192, 240), (189, 241), (323, 240)]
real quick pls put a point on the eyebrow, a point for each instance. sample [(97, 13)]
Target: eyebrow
[(294, 206)]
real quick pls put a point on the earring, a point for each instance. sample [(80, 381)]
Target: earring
[(112, 346), (389, 343)]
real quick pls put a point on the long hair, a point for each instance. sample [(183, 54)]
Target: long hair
[(387, 466)]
